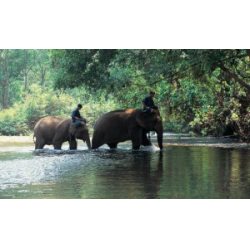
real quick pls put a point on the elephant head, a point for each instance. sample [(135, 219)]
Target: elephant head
[(80, 133), (151, 122)]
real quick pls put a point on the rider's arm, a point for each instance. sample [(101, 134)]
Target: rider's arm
[(144, 102), (73, 115)]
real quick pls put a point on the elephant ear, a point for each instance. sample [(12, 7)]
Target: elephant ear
[(72, 129), (146, 120), (141, 119), (62, 131)]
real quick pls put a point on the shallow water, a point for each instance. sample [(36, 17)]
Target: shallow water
[(177, 172)]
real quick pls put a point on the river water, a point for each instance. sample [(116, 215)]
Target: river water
[(176, 172)]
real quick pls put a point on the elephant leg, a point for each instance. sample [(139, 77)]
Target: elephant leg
[(73, 145), (145, 140), (87, 140), (97, 140), (40, 144), (57, 145), (136, 136), (96, 145), (136, 145), (72, 142), (112, 145)]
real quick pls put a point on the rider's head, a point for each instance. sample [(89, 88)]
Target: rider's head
[(152, 93), (79, 106)]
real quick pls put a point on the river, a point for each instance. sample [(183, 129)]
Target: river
[(176, 172)]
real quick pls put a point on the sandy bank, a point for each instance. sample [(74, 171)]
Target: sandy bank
[(19, 139), (168, 141)]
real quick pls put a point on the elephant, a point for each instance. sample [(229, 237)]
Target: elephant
[(130, 124), (53, 130)]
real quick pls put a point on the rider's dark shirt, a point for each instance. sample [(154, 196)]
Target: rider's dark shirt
[(149, 102), (76, 113)]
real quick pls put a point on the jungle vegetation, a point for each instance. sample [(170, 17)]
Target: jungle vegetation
[(204, 92)]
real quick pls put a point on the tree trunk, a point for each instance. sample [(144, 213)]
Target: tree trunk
[(25, 80), (3, 96), (25, 71), (1, 78), (248, 52), (43, 74), (6, 96)]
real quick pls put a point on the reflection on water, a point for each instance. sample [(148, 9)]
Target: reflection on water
[(177, 172)]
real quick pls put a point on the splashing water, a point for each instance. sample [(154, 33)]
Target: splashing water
[(151, 148)]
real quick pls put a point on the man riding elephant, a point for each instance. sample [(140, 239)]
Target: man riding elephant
[(77, 119), (148, 103)]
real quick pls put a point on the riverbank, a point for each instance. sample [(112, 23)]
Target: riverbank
[(18, 139), (169, 140), (205, 142)]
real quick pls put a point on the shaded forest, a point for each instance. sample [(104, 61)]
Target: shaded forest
[(203, 92)]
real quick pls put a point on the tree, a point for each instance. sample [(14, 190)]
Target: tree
[(4, 67), (224, 74), (19, 69), (207, 90)]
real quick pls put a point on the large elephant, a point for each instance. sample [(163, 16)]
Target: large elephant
[(53, 130), (130, 124)]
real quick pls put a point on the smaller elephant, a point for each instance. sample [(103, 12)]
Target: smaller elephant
[(53, 130)]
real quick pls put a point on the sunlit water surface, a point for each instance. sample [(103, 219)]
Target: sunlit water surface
[(177, 172)]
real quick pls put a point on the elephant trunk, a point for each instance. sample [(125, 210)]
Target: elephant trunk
[(88, 142), (159, 131)]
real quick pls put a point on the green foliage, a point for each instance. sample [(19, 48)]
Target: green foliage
[(205, 92), (13, 122), (188, 82), (42, 101)]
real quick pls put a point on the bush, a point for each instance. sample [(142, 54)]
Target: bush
[(13, 123), (41, 102)]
